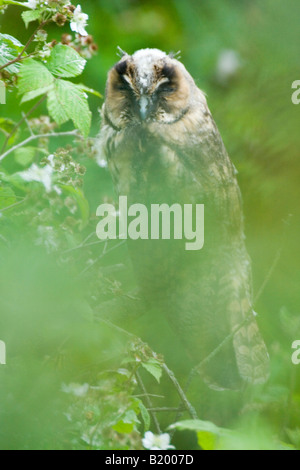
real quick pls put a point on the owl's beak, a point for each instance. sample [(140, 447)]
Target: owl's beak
[(144, 107)]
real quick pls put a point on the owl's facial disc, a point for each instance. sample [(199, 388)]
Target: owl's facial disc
[(146, 87)]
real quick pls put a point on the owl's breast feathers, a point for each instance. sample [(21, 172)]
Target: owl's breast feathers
[(207, 295)]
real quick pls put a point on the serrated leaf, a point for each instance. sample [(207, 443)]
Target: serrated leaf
[(34, 76), (57, 106), (11, 41), (31, 95), (65, 62), (66, 101), (8, 52), (29, 16), (154, 368)]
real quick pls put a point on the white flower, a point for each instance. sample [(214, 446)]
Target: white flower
[(40, 175), (33, 4), (154, 442), (79, 22), (45, 52), (76, 389)]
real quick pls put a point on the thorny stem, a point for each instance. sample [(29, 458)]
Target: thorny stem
[(36, 137), (189, 408), (186, 404), (149, 402)]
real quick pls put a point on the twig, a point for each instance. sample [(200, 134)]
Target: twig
[(36, 137), (19, 57), (164, 409), (189, 408), (24, 118), (118, 328), (105, 252), (13, 205), (142, 395), (149, 402)]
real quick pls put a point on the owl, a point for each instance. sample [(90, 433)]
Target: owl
[(163, 147)]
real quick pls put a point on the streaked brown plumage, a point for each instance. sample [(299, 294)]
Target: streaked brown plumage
[(162, 146)]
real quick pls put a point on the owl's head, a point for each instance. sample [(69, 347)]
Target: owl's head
[(149, 86)]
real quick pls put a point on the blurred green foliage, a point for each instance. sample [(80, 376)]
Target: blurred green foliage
[(46, 302)]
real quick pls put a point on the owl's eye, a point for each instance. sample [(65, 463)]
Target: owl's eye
[(166, 87), (122, 85)]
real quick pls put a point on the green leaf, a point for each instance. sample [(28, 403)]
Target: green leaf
[(197, 425), (65, 62), (34, 77), (145, 415), (7, 197), (207, 440), (66, 101), (10, 48), (25, 155), (127, 423), (12, 42), (91, 91), (31, 15), (7, 125), (154, 368), (31, 95), (208, 434), (123, 428)]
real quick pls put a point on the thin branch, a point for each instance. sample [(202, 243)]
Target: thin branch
[(189, 408), (269, 275), (164, 409), (20, 56), (105, 252), (149, 402), (142, 395), (24, 119), (13, 205), (36, 137)]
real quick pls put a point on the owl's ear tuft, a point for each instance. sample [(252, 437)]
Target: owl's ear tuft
[(121, 67), (175, 55), (120, 52), (168, 71)]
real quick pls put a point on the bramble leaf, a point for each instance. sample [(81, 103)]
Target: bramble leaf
[(65, 62), (66, 101)]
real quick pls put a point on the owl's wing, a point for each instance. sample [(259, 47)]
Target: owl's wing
[(211, 167)]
